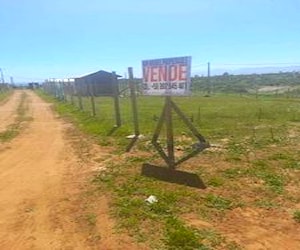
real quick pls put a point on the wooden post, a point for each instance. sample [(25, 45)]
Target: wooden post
[(78, 90), (166, 117), (91, 93), (133, 102), (80, 101), (134, 110), (169, 130), (53, 89), (156, 133), (116, 99), (71, 86), (62, 91)]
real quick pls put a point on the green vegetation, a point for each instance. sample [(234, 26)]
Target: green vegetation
[(296, 216), (261, 170), (91, 219), (245, 84), (4, 94), (162, 219), (253, 165), (13, 130), (217, 202), (178, 236), (245, 118)]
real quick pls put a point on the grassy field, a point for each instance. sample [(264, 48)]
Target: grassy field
[(219, 116), (252, 170)]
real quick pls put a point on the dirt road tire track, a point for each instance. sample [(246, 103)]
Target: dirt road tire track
[(8, 110), (41, 179)]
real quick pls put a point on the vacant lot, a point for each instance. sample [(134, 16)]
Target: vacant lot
[(64, 189)]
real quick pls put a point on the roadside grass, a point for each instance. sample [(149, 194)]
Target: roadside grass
[(4, 95), (179, 236), (296, 216), (91, 218), (159, 224), (13, 130), (257, 162), (9, 134)]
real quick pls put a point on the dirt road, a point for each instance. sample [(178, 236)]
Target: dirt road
[(8, 110), (39, 184)]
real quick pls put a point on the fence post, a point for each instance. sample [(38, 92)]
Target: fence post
[(133, 102), (116, 99), (71, 87), (91, 93), (78, 90)]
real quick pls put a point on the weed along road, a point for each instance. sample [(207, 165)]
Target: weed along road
[(40, 181)]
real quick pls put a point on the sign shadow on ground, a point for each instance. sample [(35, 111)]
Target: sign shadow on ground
[(172, 176)]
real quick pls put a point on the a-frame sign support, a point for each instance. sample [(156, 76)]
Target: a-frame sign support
[(166, 117), (171, 77)]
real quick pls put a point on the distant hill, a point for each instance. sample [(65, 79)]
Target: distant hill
[(249, 83), (266, 70), (248, 70)]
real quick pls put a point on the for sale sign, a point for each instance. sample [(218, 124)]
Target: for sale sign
[(167, 76)]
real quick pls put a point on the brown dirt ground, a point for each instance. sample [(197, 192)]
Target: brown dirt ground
[(45, 203), (260, 229), (8, 110), (43, 180), (252, 228)]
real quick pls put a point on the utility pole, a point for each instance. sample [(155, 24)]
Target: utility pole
[(11, 81)]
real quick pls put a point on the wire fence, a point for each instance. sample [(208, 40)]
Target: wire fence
[(216, 116), (104, 107), (87, 98), (4, 87)]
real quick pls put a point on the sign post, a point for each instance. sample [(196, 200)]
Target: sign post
[(170, 77)]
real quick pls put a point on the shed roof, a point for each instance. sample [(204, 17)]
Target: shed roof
[(99, 74)]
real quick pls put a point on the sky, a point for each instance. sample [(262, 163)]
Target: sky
[(42, 39)]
